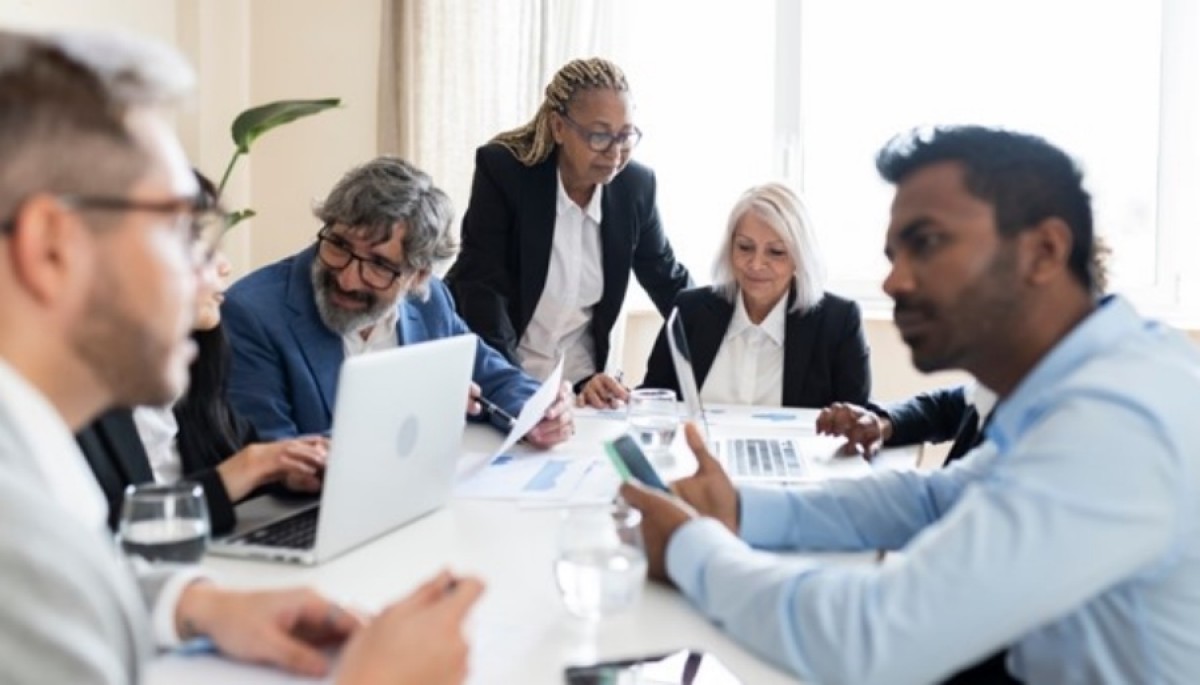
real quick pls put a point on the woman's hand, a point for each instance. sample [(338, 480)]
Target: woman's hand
[(298, 462), (602, 391)]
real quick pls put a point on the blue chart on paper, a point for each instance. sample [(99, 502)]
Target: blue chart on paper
[(546, 478), (774, 416)]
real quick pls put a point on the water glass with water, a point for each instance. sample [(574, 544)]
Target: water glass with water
[(164, 523), (653, 419), (601, 564)]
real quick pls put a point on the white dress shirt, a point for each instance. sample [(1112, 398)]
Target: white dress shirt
[(70, 482), (748, 368), (381, 336), (574, 284), (158, 429)]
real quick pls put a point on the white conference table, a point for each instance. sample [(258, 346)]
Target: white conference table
[(519, 632)]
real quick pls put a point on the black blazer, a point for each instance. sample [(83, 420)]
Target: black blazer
[(507, 234), (117, 457), (935, 416), (825, 356)]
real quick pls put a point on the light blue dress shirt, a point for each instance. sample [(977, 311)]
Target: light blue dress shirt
[(1072, 536)]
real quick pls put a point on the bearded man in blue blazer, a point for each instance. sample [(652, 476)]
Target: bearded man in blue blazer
[(366, 284)]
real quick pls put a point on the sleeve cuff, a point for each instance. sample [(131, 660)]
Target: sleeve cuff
[(163, 615), (689, 549), (763, 515)]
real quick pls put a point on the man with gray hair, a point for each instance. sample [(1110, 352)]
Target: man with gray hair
[(366, 284), (99, 252)]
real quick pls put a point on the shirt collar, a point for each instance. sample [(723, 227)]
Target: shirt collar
[(1112, 320), (773, 326), (564, 202)]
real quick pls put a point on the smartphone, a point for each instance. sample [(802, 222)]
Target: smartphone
[(631, 463), (682, 667)]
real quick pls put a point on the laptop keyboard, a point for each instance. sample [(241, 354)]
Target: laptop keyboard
[(759, 458), (294, 532)]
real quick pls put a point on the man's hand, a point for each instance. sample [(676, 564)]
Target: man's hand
[(662, 515), (862, 428), (602, 391), (298, 462), (557, 425), (473, 395), (417, 640), (709, 490), (287, 628)]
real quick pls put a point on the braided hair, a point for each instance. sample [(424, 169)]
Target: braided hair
[(533, 142)]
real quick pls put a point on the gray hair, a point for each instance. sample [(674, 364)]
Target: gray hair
[(64, 99), (373, 198), (784, 211)]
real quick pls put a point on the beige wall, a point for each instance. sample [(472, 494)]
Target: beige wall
[(245, 55), (248, 53)]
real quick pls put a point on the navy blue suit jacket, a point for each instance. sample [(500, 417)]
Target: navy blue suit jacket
[(284, 372)]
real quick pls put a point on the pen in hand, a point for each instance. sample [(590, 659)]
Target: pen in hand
[(494, 410)]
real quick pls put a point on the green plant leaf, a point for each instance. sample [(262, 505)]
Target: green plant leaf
[(234, 218), (254, 122)]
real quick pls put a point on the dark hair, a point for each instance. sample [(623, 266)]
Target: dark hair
[(1026, 179), (206, 420)]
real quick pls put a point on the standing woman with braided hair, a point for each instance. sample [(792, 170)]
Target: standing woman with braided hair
[(559, 215)]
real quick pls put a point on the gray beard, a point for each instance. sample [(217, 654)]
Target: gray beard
[(343, 321)]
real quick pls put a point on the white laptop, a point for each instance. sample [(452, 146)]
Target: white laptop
[(397, 435), (745, 459)]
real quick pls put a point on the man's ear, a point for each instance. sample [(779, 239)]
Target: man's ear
[(1046, 250), (44, 248)]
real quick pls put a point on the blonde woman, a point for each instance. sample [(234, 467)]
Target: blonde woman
[(766, 332), (559, 215)]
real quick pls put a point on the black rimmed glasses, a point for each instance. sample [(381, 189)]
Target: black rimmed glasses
[(603, 141), (336, 253), (201, 225)]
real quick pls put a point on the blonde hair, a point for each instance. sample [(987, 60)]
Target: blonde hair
[(533, 142), (784, 211)]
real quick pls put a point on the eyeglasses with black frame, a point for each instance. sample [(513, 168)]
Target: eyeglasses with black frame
[(603, 141), (336, 253), (198, 221)]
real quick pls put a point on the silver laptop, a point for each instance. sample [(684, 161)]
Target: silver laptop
[(746, 459), (397, 434)]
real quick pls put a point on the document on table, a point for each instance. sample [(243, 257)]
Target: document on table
[(534, 409), (529, 477)]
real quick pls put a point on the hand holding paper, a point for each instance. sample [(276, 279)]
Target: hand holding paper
[(546, 418)]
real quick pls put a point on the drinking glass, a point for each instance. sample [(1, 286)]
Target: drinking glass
[(164, 523), (601, 564), (653, 420)]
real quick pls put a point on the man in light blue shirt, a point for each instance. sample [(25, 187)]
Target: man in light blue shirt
[(1072, 535)]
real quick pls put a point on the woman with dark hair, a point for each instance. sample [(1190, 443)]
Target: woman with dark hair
[(200, 437)]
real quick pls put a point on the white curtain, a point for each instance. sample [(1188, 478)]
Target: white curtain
[(454, 73)]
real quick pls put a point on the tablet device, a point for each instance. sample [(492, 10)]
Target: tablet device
[(682, 667), (631, 463)]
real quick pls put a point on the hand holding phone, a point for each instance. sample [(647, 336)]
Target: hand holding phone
[(631, 463)]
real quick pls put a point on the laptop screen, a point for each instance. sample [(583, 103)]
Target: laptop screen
[(681, 357)]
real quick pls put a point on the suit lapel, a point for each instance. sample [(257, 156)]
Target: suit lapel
[(706, 333), (409, 326), (322, 348), (125, 446), (616, 248), (799, 336), (539, 200)]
